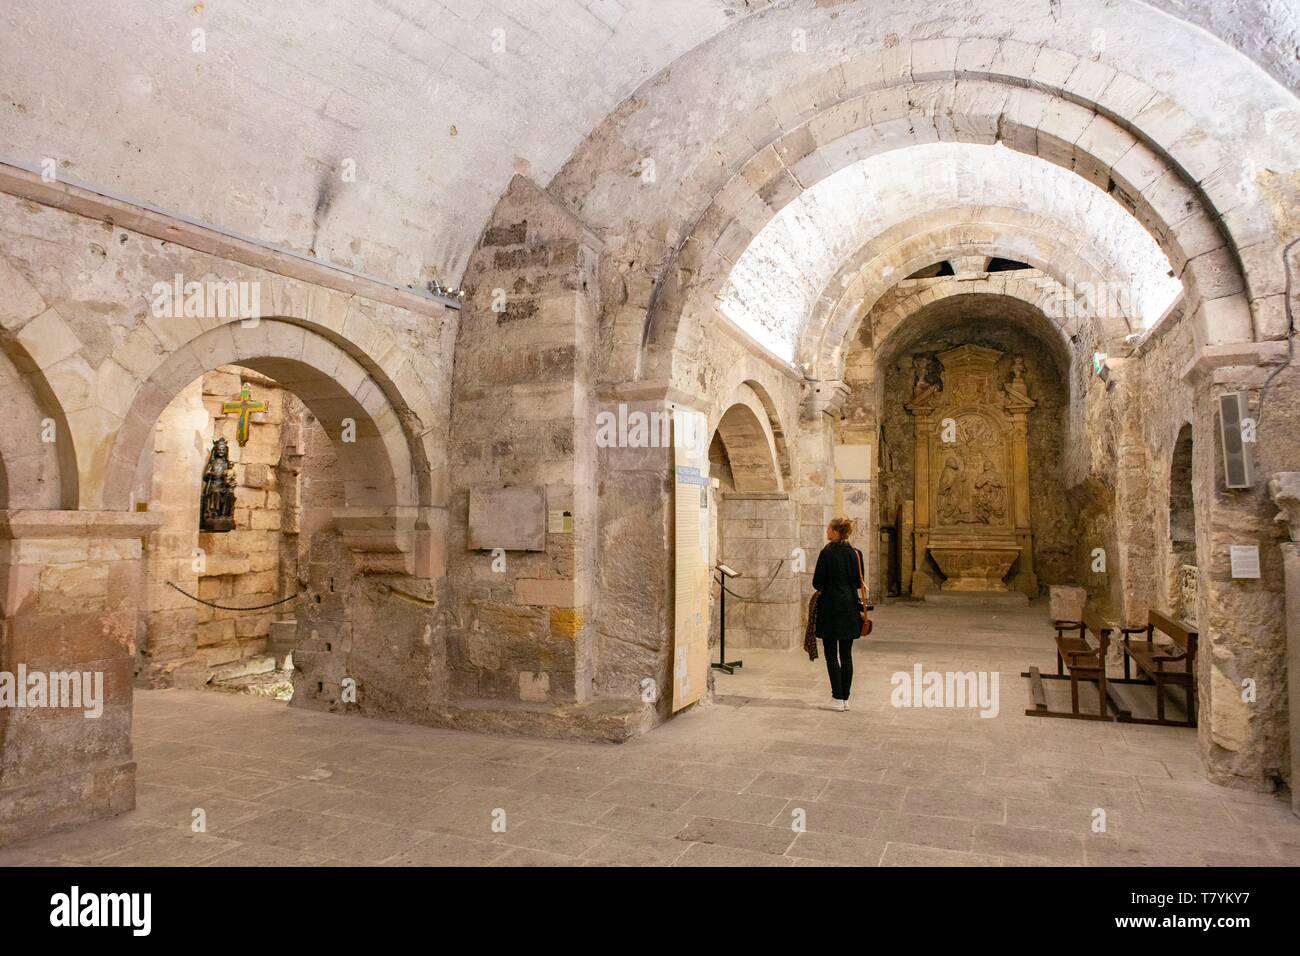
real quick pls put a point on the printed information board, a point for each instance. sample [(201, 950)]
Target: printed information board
[(692, 564)]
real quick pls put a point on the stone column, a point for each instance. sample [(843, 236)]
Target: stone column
[(1285, 491), (523, 414), (815, 496), (375, 586), (922, 580), (1027, 577), (70, 597)]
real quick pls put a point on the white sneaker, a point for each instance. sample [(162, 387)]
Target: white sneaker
[(846, 705), (833, 705)]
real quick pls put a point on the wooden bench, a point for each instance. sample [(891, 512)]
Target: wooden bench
[(1077, 659), (1161, 669)]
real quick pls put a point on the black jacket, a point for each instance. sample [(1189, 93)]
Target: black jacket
[(838, 578)]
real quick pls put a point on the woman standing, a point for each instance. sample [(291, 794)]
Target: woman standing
[(838, 581)]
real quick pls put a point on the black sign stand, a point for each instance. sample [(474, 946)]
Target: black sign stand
[(723, 664)]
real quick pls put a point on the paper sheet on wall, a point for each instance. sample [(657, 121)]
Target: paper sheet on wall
[(692, 560), (853, 492)]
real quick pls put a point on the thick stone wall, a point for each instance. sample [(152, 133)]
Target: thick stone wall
[(523, 415), (1241, 674), (756, 536), (70, 602), (103, 361)]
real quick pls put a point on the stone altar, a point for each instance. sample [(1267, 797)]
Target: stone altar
[(971, 475)]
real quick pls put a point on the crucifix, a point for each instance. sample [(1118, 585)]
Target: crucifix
[(245, 407)]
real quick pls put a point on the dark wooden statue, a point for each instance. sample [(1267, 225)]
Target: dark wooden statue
[(217, 502)]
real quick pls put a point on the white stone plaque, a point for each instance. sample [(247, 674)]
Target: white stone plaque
[(510, 518), (1245, 560)]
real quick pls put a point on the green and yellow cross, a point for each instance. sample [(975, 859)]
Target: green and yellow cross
[(245, 407)]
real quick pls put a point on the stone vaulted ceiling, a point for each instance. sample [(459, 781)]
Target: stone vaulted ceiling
[(787, 267), (376, 134)]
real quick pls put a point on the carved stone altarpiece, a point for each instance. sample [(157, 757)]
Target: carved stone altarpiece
[(972, 475)]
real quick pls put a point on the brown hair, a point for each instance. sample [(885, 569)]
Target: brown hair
[(842, 527)]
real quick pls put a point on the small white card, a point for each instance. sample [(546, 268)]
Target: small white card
[(1245, 560)]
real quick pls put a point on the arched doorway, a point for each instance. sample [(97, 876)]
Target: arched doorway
[(1182, 583), (756, 526), (365, 519)]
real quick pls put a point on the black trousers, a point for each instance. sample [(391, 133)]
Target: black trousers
[(839, 665)]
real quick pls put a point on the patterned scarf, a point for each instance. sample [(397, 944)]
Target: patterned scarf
[(810, 635)]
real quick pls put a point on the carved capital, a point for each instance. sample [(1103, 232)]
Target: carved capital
[(1284, 489), (826, 397)]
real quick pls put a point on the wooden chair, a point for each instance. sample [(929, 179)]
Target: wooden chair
[(1161, 669), (1077, 659)]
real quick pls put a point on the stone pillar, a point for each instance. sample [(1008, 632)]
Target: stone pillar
[(523, 413), (815, 495), (1242, 719), (1026, 578), (1285, 491), (371, 635), (70, 596), (633, 630), (168, 655), (922, 580)]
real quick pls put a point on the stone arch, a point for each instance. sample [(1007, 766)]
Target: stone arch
[(1114, 130), (1031, 306), (895, 254), (746, 433), (36, 473), (380, 473), (91, 400), (1182, 523), (36, 453)]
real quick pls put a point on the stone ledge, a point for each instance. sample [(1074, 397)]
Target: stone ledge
[(600, 721), (1246, 354), (78, 524)]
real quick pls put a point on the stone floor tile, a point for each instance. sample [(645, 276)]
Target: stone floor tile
[(745, 807), (718, 855), (906, 854), (746, 836), (635, 849)]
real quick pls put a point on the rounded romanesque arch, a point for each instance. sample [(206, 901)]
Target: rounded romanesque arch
[(34, 447), (38, 462), (97, 400), (1132, 140), (1066, 276), (746, 435), (1033, 304), (380, 471)]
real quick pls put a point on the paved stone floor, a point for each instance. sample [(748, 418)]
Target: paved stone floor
[(724, 785)]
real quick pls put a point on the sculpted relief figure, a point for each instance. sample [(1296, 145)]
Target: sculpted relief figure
[(950, 491), (990, 495), (1017, 390), (922, 389)]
